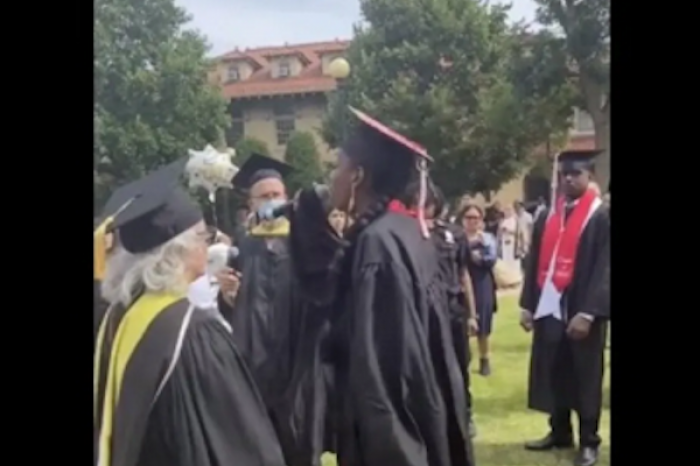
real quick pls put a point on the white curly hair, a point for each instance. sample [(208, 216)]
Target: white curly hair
[(161, 269)]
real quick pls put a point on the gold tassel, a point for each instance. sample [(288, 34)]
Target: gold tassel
[(100, 248)]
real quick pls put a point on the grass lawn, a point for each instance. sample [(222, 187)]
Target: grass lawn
[(502, 419)]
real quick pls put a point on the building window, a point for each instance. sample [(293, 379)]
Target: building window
[(285, 127), (285, 69), (583, 123), (236, 131), (284, 113), (235, 111), (232, 73)]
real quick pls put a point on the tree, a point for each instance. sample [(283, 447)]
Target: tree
[(442, 72), (301, 153), (577, 38), (153, 100), (247, 146)]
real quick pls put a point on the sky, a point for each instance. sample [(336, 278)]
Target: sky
[(252, 23)]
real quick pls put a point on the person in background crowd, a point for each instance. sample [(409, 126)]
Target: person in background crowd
[(337, 220), (525, 222), (482, 257), (170, 386), (561, 301), (492, 218), (510, 238), (541, 207)]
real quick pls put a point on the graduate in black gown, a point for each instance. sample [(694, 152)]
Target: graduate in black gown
[(560, 301), (261, 311), (453, 254), (398, 385), (171, 388)]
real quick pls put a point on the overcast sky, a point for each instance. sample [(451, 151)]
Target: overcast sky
[(250, 23)]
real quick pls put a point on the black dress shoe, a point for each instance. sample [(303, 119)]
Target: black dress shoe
[(586, 456), (550, 443)]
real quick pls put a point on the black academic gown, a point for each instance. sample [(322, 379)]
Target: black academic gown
[(262, 311), (399, 386), (305, 416), (209, 412), (567, 374), (98, 309), (452, 249)]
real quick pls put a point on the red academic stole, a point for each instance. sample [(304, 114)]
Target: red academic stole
[(567, 236)]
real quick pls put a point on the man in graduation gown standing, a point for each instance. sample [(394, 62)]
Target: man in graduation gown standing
[(260, 312), (561, 304), (170, 385)]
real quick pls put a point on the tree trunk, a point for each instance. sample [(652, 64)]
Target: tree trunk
[(598, 106)]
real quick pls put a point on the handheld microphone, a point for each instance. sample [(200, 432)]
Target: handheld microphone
[(285, 209)]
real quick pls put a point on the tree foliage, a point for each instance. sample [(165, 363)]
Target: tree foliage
[(302, 154), (444, 73), (247, 146), (152, 97), (576, 36)]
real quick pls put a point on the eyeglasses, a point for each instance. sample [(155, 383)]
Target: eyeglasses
[(472, 217)]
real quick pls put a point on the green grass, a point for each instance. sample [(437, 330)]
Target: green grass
[(500, 403)]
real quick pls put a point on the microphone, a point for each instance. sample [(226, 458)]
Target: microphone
[(284, 210)]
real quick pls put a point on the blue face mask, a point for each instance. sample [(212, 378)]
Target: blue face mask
[(265, 212)]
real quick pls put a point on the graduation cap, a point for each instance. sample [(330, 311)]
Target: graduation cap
[(576, 160), (147, 213), (387, 145), (391, 158), (259, 167)]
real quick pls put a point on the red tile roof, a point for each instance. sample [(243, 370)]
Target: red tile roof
[(261, 82)]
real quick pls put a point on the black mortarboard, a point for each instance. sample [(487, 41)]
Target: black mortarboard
[(259, 167), (153, 210), (573, 160)]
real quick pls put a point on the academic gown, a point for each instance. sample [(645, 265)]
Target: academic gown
[(305, 415), (261, 307), (567, 374), (452, 249), (399, 386), (98, 309), (209, 412)]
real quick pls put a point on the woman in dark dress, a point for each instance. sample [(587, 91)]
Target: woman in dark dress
[(399, 395), (482, 257)]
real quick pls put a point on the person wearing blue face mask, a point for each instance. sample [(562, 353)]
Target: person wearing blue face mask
[(260, 274)]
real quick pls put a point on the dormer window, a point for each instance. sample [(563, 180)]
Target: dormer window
[(232, 73), (285, 69)]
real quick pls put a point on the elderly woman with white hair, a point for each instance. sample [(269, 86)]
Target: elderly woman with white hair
[(170, 386)]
